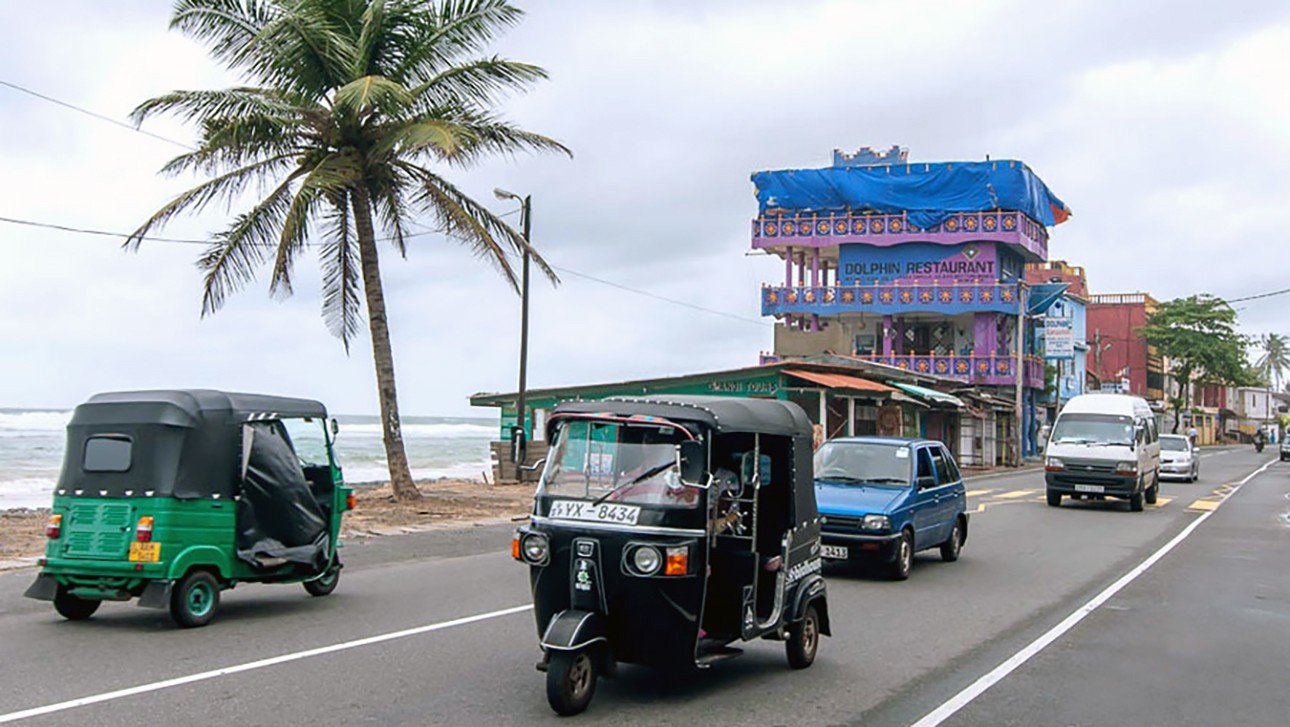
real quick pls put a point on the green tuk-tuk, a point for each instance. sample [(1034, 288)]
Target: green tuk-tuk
[(173, 496)]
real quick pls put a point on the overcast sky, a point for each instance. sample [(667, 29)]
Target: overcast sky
[(1165, 126)]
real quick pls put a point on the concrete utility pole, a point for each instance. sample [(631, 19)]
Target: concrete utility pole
[(1019, 339)]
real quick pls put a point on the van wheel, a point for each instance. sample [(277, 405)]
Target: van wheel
[(1154, 492), (950, 548), (324, 584), (194, 600), (570, 681), (1054, 498), (899, 568), (803, 640), (1135, 502), (72, 607)]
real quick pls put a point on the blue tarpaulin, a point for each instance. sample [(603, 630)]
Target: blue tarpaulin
[(928, 192)]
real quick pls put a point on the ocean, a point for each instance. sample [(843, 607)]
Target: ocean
[(31, 451)]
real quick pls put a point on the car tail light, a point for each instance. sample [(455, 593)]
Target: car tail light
[(53, 526), (143, 530), (351, 501), (515, 547), (678, 561)]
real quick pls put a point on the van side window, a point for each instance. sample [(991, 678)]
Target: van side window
[(925, 469), (1153, 433)]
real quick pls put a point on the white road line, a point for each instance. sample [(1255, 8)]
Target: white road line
[(249, 666), (996, 675)]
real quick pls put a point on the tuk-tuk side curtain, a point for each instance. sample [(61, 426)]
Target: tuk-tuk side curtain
[(151, 468), (278, 516), (804, 494)]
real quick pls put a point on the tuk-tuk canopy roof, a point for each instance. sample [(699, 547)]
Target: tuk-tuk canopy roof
[(721, 413), (188, 407)]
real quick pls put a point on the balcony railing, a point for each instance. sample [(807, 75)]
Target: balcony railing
[(949, 299), (989, 370), (825, 229)]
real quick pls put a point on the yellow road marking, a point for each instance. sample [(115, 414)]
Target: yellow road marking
[(977, 493), (1204, 505), (1018, 493), (1162, 501), (980, 508)]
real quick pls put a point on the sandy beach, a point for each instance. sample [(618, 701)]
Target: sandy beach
[(446, 502)]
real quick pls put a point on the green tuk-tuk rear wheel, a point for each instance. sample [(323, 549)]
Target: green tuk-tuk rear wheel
[(72, 607), (324, 584), (570, 681), (194, 599)]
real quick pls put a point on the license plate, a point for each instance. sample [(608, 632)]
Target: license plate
[(836, 552), (602, 513), (145, 552), (1090, 488)]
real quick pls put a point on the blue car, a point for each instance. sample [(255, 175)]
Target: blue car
[(886, 498)]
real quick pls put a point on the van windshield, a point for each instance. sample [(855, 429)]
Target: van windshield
[(1093, 429)]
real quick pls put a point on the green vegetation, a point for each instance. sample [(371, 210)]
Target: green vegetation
[(352, 109), (1198, 334)]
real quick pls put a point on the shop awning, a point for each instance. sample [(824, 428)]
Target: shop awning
[(931, 395), (841, 381), (1043, 295)]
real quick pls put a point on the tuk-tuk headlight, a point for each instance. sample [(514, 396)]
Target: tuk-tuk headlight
[(535, 547), (876, 522), (646, 560)]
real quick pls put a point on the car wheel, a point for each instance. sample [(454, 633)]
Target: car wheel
[(570, 681), (72, 607), (803, 640), (194, 600), (1054, 499), (899, 568), (950, 548), (326, 583)]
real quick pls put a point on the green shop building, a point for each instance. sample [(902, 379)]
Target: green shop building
[(842, 395)]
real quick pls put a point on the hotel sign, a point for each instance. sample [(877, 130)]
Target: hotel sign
[(1059, 338)]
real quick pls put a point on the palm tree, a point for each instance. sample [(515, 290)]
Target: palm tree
[(1274, 361), (350, 112)]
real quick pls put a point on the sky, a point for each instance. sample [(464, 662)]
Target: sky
[(1164, 125)]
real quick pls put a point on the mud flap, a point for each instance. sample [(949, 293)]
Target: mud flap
[(156, 595), (43, 589), (576, 630)]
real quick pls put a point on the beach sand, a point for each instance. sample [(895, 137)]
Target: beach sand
[(445, 502)]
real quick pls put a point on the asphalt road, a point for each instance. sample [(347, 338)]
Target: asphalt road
[(1212, 612)]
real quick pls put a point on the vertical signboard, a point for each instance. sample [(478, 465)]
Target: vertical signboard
[(1059, 338)]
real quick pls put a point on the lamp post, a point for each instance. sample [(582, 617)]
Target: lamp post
[(519, 435)]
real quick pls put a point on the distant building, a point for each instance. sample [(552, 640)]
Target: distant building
[(1119, 357), (1068, 313)]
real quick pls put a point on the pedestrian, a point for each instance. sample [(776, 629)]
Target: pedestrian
[(1192, 435)]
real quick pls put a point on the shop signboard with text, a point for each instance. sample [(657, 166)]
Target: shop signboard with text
[(920, 263)]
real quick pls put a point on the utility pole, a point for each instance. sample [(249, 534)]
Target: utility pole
[(1019, 339), (519, 435)]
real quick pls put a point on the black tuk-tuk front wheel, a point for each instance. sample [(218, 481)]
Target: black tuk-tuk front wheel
[(570, 681), (73, 608), (803, 640), (326, 583), (194, 599)]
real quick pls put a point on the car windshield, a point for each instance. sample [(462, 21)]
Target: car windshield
[(617, 462), (1174, 444), (863, 463), (1093, 429)]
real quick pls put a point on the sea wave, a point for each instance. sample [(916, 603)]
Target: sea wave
[(21, 422), (439, 431), (29, 492)]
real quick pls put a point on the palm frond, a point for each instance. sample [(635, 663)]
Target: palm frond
[(479, 81), (445, 31), (342, 300), (222, 103), (370, 94), (330, 177)]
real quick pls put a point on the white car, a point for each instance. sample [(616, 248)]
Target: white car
[(1178, 459)]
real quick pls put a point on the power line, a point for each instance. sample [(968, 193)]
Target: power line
[(98, 116), (1259, 296)]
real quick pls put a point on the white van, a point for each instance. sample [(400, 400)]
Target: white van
[(1104, 445)]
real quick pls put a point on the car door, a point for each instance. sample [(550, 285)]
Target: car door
[(926, 499), (952, 498)]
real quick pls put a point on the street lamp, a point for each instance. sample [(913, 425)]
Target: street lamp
[(518, 434)]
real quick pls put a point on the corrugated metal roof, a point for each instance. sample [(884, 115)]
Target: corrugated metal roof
[(840, 381)]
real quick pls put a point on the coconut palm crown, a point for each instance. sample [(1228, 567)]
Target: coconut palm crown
[(351, 112)]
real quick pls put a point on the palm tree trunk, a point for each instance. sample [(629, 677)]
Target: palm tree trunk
[(382, 354)]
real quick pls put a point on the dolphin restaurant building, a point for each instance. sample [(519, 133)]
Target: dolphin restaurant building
[(842, 395)]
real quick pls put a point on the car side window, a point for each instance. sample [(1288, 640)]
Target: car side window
[(946, 468), (926, 475)]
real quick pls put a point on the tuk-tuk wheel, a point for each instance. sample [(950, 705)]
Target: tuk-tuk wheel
[(73, 608), (803, 640), (324, 584), (570, 681), (194, 600)]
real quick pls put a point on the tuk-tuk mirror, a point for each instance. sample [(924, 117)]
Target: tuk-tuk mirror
[(689, 461), (335, 427)]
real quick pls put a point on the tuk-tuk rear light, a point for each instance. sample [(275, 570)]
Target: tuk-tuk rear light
[(53, 526), (351, 502), (678, 561), (143, 530)]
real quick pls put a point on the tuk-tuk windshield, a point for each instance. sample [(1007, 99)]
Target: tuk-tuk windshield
[(308, 436), (617, 462)]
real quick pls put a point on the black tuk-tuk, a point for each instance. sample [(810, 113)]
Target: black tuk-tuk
[(666, 528)]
